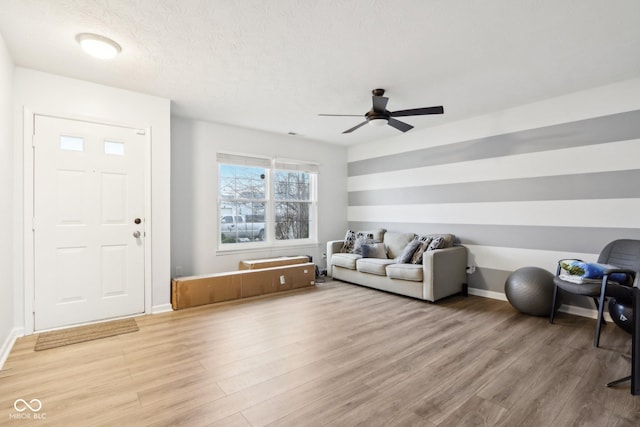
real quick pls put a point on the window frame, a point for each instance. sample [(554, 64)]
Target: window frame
[(272, 165)]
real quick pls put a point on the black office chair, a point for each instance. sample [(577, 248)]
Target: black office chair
[(624, 254), (622, 311)]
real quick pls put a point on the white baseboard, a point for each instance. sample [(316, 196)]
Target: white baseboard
[(488, 294), (162, 308), (584, 312), (569, 309), (8, 343)]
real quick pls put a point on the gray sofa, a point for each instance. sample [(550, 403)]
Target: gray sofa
[(441, 273)]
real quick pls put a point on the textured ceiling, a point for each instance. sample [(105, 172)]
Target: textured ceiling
[(274, 65)]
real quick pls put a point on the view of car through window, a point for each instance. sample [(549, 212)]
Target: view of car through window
[(257, 204)]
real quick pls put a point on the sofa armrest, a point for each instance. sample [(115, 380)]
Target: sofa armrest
[(333, 246), (445, 271)]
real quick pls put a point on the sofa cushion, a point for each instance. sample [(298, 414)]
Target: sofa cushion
[(345, 260), (373, 265), (411, 272), (374, 250), (396, 242)]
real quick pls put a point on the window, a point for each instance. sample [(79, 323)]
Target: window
[(71, 143), (293, 203), (114, 148), (264, 202)]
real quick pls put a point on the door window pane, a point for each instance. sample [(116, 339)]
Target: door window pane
[(71, 143), (115, 148)]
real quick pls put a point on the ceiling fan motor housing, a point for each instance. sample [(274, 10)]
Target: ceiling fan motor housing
[(376, 115)]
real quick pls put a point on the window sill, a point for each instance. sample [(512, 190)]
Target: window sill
[(268, 249)]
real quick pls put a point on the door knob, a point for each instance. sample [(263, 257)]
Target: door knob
[(136, 234)]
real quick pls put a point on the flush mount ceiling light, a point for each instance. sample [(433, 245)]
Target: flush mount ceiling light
[(98, 46)]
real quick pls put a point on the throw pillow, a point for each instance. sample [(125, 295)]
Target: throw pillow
[(407, 252), (437, 243), (349, 241), (357, 245), (365, 234), (374, 250), (361, 239), (424, 244)]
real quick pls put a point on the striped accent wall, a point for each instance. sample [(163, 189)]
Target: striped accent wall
[(523, 197)]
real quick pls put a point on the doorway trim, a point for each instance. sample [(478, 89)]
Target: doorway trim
[(29, 117)]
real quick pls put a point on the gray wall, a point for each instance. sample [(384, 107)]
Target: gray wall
[(194, 183), (520, 187)]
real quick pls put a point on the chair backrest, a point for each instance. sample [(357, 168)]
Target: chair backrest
[(623, 253)]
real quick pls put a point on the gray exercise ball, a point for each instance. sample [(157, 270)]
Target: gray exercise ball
[(530, 291)]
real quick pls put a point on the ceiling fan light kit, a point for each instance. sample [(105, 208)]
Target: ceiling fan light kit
[(380, 116), (379, 121)]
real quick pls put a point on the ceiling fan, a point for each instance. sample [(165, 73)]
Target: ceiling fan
[(380, 116)]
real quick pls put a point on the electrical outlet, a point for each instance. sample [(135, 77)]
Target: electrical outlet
[(282, 281), (471, 269), (178, 270)]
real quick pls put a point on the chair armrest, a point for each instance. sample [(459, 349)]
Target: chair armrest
[(612, 270), (631, 275), (333, 246), (444, 270)]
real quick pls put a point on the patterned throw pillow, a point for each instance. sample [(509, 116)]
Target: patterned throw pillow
[(407, 252), (349, 241), (437, 243), (424, 244)]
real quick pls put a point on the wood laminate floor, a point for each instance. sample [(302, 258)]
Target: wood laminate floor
[(336, 354)]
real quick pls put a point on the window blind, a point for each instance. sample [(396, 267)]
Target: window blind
[(235, 159), (291, 165)]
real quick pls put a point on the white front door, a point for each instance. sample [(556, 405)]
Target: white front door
[(89, 233)]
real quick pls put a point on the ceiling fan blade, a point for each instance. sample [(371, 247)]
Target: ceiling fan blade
[(355, 127), (379, 103), (341, 115), (401, 126), (418, 111)]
